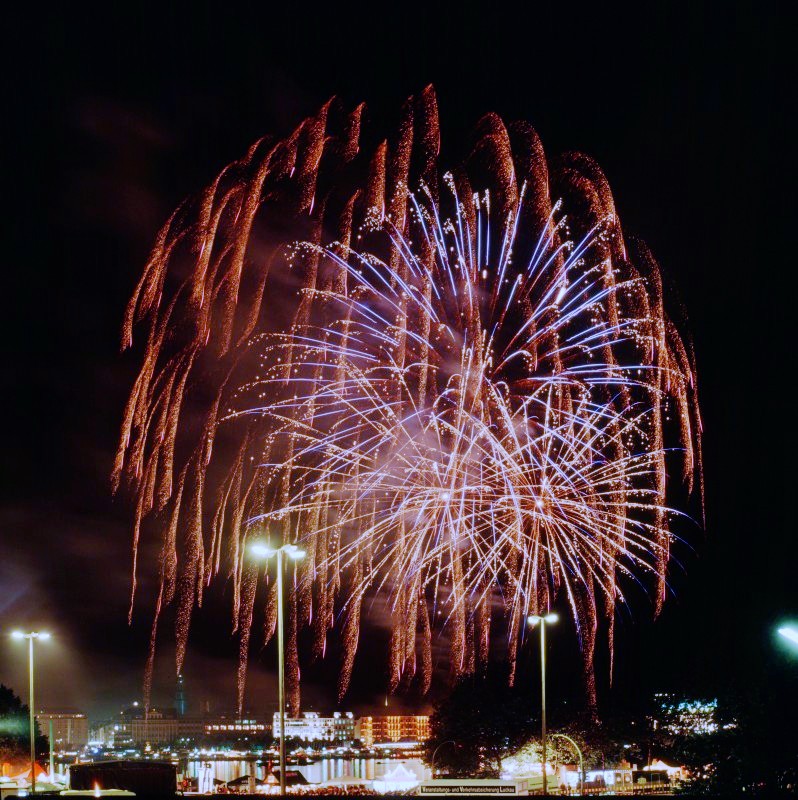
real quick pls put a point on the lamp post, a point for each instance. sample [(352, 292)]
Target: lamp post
[(548, 619), (581, 760), (32, 718), (435, 753), (266, 551)]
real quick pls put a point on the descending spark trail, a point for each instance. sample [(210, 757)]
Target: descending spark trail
[(457, 396)]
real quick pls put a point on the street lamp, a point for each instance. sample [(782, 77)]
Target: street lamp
[(548, 619), (265, 551), (435, 753), (791, 634), (581, 760), (43, 635)]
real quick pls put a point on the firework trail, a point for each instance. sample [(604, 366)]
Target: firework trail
[(458, 391)]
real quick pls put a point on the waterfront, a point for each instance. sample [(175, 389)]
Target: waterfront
[(318, 771)]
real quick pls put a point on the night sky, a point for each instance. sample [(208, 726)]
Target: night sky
[(115, 117)]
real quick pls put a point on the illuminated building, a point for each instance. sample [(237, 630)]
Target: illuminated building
[(156, 727), (393, 728), (70, 728), (167, 726), (113, 733), (232, 727), (313, 727)]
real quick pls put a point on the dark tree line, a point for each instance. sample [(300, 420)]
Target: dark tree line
[(751, 746), (15, 728)]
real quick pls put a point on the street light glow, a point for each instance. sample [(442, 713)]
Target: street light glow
[(17, 635), (293, 551), (261, 550), (790, 633), (534, 619)]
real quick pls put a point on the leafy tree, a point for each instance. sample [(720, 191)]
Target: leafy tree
[(753, 749), (14, 728), (477, 724)]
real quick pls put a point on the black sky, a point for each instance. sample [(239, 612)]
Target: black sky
[(114, 116)]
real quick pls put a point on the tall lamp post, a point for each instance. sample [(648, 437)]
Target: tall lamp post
[(32, 718), (266, 551), (548, 619)]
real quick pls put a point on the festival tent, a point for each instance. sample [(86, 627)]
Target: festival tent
[(20, 774)]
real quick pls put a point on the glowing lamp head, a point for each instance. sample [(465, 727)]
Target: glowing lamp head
[(791, 634), (261, 550), (535, 619), (293, 551), (30, 635)]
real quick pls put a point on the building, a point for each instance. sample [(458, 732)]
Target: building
[(156, 727), (165, 726), (70, 729), (393, 728), (232, 727), (313, 727), (113, 733)]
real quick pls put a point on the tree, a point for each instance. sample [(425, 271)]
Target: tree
[(15, 728), (477, 724), (753, 748)]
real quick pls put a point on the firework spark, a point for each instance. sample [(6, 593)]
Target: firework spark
[(456, 394)]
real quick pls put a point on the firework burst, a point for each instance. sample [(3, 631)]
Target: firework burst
[(455, 394)]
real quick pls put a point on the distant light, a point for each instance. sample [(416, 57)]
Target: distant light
[(551, 617), (17, 635), (43, 635), (790, 633)]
